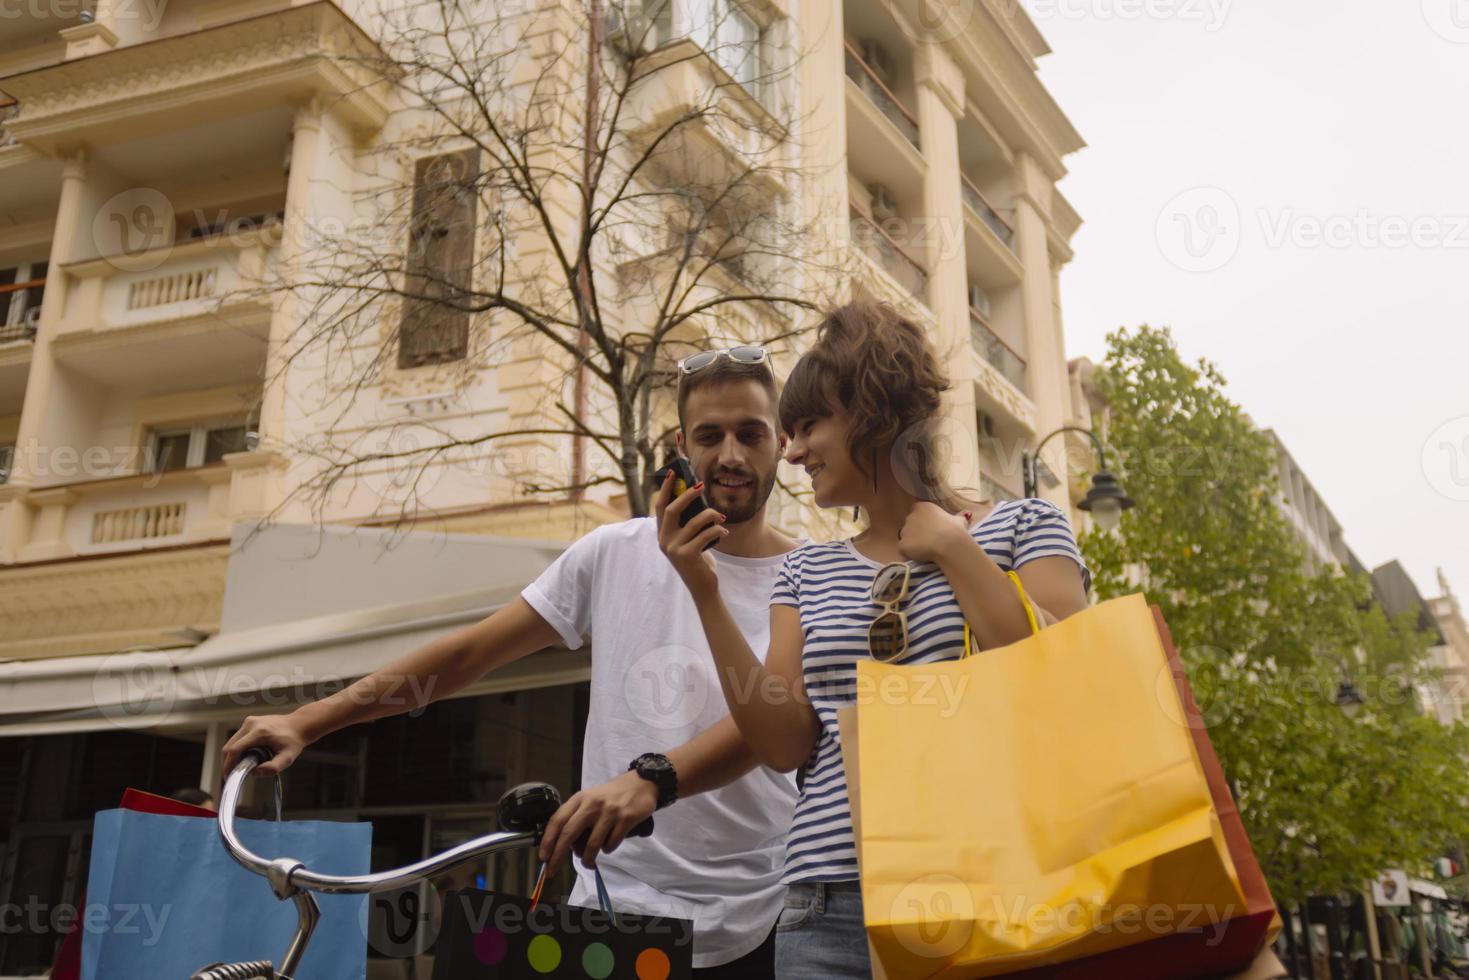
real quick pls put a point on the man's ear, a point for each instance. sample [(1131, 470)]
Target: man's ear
[(678, 442)]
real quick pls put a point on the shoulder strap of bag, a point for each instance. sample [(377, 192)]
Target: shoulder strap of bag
[(1024, 601)]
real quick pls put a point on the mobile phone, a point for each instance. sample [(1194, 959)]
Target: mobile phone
[(683, 478)]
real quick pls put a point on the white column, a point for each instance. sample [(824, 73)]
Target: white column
[(69, 223), (940, 104), (295, 236), (1045, 356)]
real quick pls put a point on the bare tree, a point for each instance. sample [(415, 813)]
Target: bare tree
[(614, 185)]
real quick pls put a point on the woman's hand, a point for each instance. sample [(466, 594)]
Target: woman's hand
[(684, 546), (283, 734), (931, 533)]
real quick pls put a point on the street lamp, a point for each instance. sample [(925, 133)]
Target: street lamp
[(1348, 698), (1105, 501)]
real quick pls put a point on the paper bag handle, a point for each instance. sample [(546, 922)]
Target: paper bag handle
[(1024, 601)]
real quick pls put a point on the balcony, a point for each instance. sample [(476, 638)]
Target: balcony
[(995, 351), (195, 311), (870, 85), (976, 202), (887, 255), (709, 128), (147, 510)]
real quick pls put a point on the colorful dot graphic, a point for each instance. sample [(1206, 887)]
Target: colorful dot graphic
[(652, 964), (597, 961), (490, 946), (544, 954)]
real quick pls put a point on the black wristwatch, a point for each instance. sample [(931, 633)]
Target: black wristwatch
[(658, 770)]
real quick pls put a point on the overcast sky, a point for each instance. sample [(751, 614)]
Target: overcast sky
[(1285, 184)]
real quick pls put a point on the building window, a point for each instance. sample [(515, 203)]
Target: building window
[(7, 462), (21, 288), (646, 24), (199, 445), (730, 36), (440, 262)]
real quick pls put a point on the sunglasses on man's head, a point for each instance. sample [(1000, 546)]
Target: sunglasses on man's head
[(695, 363), (887, 635)]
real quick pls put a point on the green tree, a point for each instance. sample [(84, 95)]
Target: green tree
[(1329, 799)]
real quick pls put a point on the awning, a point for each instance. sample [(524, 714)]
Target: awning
[(372, 607)]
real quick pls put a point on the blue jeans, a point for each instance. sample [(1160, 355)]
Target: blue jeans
[(820, 935)]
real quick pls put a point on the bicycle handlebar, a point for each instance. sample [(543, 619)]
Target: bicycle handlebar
[(299, 875), (525, 808)]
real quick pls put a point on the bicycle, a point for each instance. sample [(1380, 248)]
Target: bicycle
[(522, 813)]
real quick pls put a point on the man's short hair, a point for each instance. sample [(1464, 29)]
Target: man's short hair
[(723, 371)]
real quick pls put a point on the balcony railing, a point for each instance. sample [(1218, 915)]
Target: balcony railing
[(1010, 364), (138, 523), (881, 96), (977, 203), (15, 297), (876, 245)]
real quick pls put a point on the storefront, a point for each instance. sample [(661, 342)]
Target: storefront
[(305, 613)]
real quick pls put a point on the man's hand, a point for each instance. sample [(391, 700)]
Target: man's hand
[(609, 811), (930, 533), (684, 546), (281, 733)]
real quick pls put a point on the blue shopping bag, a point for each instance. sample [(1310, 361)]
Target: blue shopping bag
[(164, 897)]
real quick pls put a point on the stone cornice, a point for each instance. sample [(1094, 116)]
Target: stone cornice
[(283, 57), (100, 605)]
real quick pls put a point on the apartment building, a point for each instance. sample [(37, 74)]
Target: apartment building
[(161, 165), (1452, 655)]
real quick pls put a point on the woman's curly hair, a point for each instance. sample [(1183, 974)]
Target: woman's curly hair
[(880, 368)]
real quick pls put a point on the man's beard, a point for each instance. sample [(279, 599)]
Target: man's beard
[(741, 511)]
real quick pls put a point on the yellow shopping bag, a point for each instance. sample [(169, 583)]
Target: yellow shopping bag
[(1049, 808)]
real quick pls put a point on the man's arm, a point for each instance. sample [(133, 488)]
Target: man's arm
[(715, 757), (435, 670)]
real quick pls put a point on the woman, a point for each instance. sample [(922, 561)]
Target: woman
[(858, 408)]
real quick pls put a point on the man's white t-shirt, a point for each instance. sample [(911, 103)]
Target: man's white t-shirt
[(715, 858)]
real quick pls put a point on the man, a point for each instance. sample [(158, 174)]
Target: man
[(657, 729)]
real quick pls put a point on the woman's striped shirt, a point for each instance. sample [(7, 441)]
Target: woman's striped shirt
[(831, 586)]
